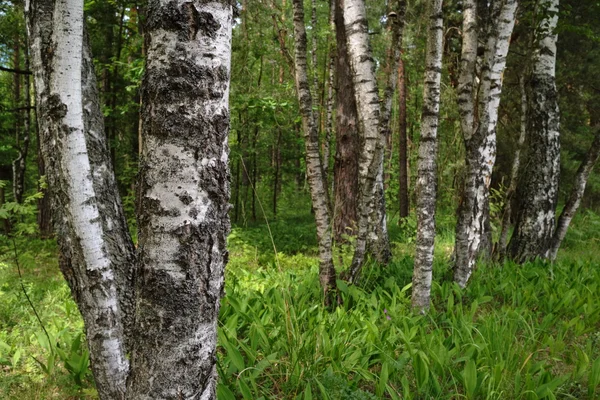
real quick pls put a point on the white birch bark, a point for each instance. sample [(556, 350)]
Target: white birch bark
[(97, 256), (367, 100), (538, 195), (480, 137), (576, 195), (378, 239), (314, 166), (183, 200), (426, 167)]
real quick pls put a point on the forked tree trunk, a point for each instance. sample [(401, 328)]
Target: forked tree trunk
[(314, 166), (367, 101), (426, 168), (479, 130), (538, 194), (576, 195), (345, 168), (183, 200), (514, 174), (97, 255)]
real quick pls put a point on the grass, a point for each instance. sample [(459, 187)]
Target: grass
[(516, 332)]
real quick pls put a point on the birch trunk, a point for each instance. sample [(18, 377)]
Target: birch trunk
[(426, 168), (367, 101), (314, 166), (472, 231), (538, 196), (183, 200), (576, 195), (378, 239), (330, 76), (97, 256), (345, 168), (514, 173)]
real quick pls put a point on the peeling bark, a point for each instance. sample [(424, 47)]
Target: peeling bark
[(314, 166), (97, 256), (426, 169), (367, 101), (479, 130), (538, 194), (576, 195)]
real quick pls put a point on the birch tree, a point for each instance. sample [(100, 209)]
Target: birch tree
[(183, 200), (478, 124), (538, 194), (426, 164), (379, 243), (97, 256), (314, 165), (576, 195), (367, 101), (184, 195)]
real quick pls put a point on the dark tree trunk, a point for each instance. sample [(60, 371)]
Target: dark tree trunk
[(403, 199), (345, 168)]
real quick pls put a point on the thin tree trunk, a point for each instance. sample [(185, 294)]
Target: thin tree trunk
[(183, 200), (97, 256), (314, 166), (367, 101), (576, 195), (538, 195), (330, 74), (378, 239), (19, 164), (514, 173), (403, 199), (345, 168), (472, 230), (427, 179)]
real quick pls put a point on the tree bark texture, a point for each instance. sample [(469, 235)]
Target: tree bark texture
[(403, 199), (367, 101), (514, 175), (314, 166), (347, 140), (538, 194), (97, 256), (479, 130), (426, 168), (183, 200), (378, 239), (576, 195)]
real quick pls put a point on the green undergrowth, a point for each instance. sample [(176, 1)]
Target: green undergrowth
[(516, 332)]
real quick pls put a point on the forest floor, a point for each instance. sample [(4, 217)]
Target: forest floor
[(516, 332)]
